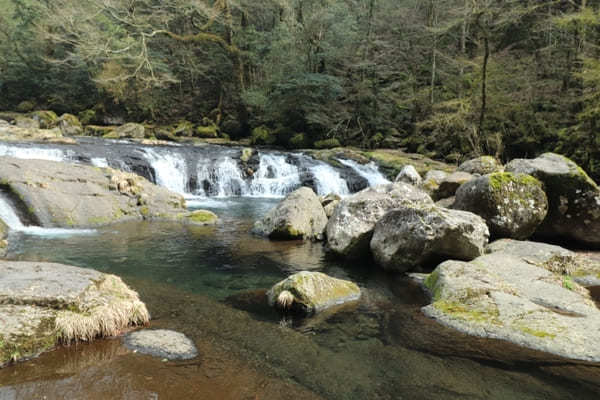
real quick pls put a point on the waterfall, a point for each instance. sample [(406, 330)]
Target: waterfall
[(170, 169), (99, 162), (222, 178), (30, 153), (368, 171), (275, 177), (328, 180), (10, 218)]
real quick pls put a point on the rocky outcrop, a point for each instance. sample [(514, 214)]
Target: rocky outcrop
[(299, 216), (409, 175), (505, 296), (350, 228), (311, 292), (46, 119), (69, 125), (12, 133), (53, 194), (573, 198), (581, 268), (513, 205), (130, 130), (481, 166), (161, 343), (449, 185), (420, 235), (44, 304)]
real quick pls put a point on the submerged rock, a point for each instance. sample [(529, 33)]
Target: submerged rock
[(299, 216), (417, 235), (513, 205), (509, 297), (409, 175), (351, 226), (573, 198), (481, 165), (162, 343), (200, 217), (44, 304), (54, 194), (311, 292)]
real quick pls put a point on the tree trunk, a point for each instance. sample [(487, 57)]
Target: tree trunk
[(486, 58)]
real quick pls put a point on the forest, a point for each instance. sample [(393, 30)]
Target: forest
[(450, 79)]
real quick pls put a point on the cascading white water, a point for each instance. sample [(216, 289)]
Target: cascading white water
[(10, 218), (29, 153), (99, 162), (328, 180), (221, 179), (368, 171), (169, 168), (275, 177)]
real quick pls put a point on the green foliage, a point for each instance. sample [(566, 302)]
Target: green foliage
[(327, 144), (263, 136)]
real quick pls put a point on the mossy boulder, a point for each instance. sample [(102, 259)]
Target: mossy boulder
[(26, 122), (312, 292), (87, 117), (513, 205), (509, 297), (70, 125), (299, 216), (207, 132), (44, 305), (483, 165), (99, 131), (26, 106), (413, 236), (327, 144), (200, 217), (298, 141), (130, 130), (183, 129), (573, 198), (350, 227), (46, 119)]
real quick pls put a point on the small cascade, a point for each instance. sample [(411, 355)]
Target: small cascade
[(10, 218), (170, 169), (275, 177), (328, 180), (221, 179), (99, 162), (30, 153), (368, 171)]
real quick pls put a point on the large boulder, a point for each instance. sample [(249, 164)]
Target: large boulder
[(130, 131), (46, 119), (433, 178), (26, 123), (513, 205), (504, 296), (311, 292), (573, 197), (54, 194), (481, 166), (329, 203), (583, 269), (44, 304), (351, 226), (299, 216), (69, 125), (408, 174), (420, 235)]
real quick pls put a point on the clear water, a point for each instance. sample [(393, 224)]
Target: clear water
[(209, 283)]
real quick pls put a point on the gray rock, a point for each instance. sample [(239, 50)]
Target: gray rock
[(450, 184), (573, 198), (503, 296), (161, 343), (299, 216), (416, 235), (329, 203), (130, 130), (408, 174), (69, 125), (446, 203), (432, 180), (54, 194), (27, 123), (513, 205), (481, 165), (42, 304), (311, 292), (351, 226), (583, 269)]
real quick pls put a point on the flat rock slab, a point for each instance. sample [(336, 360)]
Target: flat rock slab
[(162, 343)]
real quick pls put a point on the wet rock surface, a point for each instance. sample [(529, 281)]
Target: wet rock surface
[(161, 343)]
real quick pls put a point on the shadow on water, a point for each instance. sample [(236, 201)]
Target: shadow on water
[(210, 284)]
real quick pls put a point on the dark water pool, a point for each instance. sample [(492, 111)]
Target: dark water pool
[(209, 283)]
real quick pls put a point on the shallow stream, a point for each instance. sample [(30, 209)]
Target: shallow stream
[(209, 283)]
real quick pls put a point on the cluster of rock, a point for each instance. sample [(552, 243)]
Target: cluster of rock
[(529, 293)]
